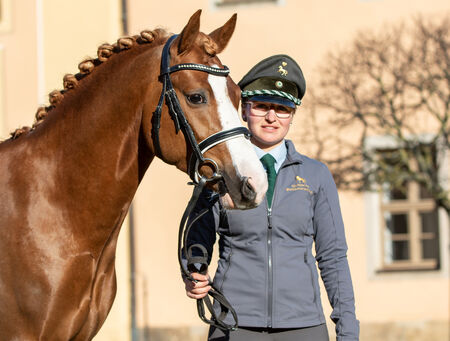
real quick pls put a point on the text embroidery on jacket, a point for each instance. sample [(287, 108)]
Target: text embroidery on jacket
[(299, 185)]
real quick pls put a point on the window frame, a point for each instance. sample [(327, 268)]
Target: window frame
[(412, 207), (224, 4), (375, 222)]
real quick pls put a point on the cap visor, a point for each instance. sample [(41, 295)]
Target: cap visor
[(273, 99)]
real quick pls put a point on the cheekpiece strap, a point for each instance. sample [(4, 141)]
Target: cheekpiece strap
[(169, 95), (175, 111)]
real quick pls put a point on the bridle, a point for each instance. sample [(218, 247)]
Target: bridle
[(199, 181), (168, 92)]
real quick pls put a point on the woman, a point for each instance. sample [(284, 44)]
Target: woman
[(266, 268)]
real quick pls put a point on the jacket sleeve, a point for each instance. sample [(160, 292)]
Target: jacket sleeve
[(203, 230), (331, 255)]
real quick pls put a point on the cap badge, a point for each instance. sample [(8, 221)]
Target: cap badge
[(282, 70), (279, 84)]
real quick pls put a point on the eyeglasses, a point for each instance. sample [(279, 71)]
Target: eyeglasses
[(261, 109)]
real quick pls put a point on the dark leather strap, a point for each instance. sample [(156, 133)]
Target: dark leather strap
[(168, 93), (183, 232), (213, 140)]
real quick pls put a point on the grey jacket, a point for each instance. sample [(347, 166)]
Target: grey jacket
[(266, 268)]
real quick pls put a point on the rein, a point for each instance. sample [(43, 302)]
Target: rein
[(195, 162), (183, 232)]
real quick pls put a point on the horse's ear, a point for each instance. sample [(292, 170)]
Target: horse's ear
[(222, 35), (189, 33)]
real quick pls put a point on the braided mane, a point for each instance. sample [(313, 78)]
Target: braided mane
[(71, 81)]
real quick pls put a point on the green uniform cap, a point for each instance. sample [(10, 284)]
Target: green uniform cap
[(277, 76)]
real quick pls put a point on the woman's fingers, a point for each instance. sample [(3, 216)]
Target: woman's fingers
[(199, 277), (199, 287)]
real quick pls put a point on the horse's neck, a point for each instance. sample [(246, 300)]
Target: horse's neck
[(92, 139)]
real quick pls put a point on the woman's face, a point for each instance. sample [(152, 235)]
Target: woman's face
[(270, 130)]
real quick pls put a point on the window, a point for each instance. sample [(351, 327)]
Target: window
[(409, 228), (406, 230), (223, 3)]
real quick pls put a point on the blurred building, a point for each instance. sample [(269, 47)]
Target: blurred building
[(397, 298)]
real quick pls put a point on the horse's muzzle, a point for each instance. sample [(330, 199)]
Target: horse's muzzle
[(243, 196), (248, 190)]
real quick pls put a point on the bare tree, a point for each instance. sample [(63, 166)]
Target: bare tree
[(394, 84)]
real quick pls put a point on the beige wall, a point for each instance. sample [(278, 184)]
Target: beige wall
[(19, 75), (2, 91), (72, 31)]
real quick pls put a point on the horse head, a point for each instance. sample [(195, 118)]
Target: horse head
[(208, 102)]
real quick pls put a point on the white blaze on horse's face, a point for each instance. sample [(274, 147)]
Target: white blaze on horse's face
[(242, 153)]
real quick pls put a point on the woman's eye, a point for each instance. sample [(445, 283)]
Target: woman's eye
[(282, 109), (196, 99), (262, 107)]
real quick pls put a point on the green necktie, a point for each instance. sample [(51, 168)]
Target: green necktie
[(269, 163)]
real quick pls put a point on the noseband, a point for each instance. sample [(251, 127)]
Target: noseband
[(168, 92), (195, 162)]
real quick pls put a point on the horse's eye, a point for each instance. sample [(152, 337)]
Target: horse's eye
[(196, 99)]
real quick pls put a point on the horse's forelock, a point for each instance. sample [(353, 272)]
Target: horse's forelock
[(209, 46), (70, 81)]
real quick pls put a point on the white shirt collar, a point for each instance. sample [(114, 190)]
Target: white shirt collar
[(279, 153)]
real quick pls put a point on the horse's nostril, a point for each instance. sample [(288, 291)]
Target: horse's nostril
[(247, 190)]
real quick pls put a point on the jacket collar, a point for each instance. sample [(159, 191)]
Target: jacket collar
[(292, 155)]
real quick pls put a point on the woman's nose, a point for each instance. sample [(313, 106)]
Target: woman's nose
[(271, 116)]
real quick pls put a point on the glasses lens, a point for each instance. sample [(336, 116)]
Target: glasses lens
[(261, 109), (283, 115)]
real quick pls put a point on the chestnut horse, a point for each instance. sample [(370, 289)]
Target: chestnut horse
[(67, 182)]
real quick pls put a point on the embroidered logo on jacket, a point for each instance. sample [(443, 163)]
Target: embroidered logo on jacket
[(299, 185)]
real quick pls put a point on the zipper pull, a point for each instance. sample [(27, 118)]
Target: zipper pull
[(269, 217)]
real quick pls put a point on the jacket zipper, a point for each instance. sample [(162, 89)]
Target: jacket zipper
[(269, 263), (270, 256)]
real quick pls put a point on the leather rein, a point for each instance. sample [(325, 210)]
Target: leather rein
[(199, 181)]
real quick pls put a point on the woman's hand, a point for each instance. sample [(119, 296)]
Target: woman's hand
[(197, 289)]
